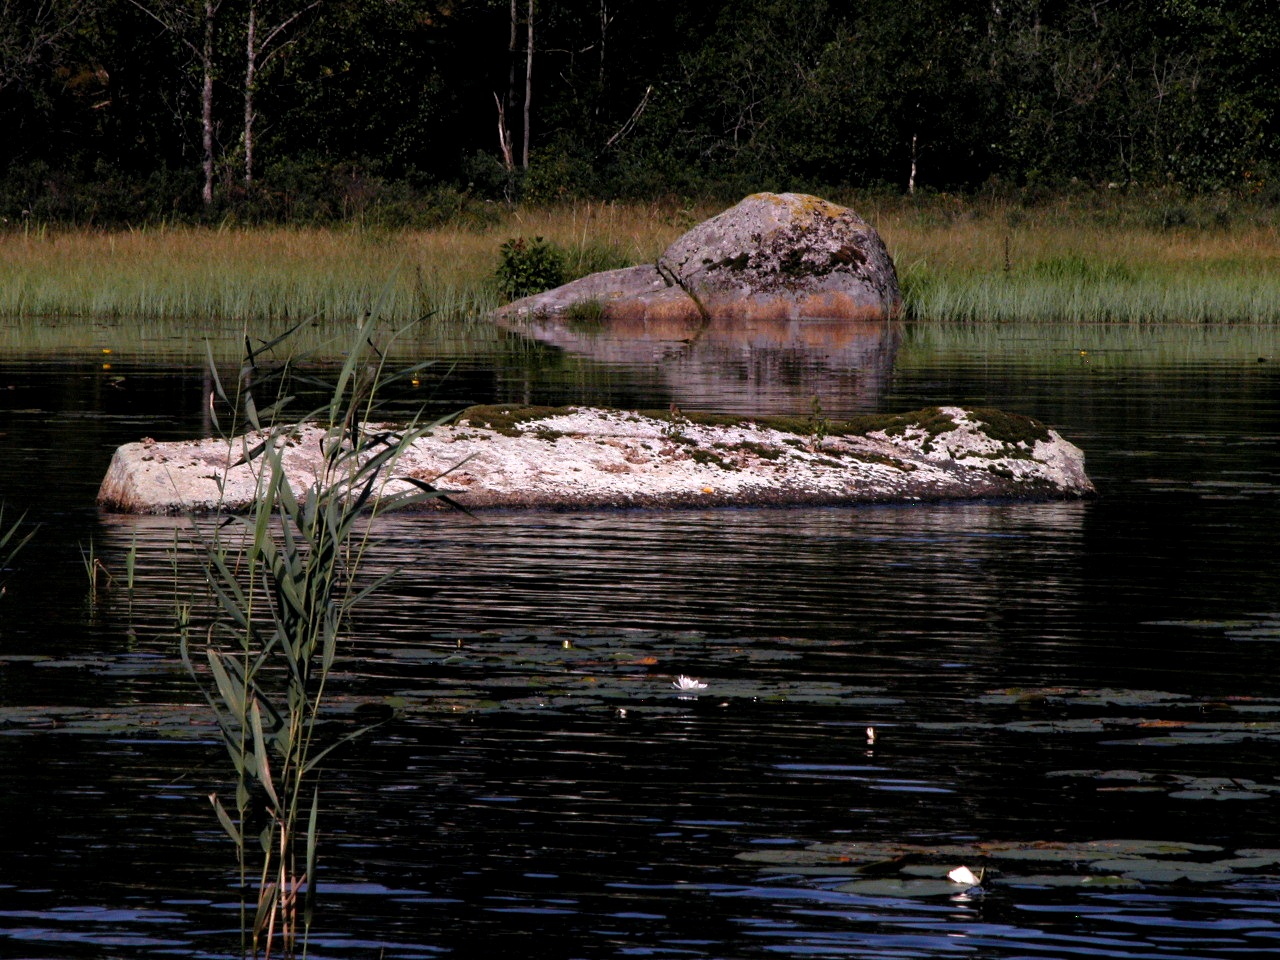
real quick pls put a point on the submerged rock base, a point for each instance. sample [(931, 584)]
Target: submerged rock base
[(579, 458)]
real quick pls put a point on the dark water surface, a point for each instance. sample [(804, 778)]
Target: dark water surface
[(1037, 674)]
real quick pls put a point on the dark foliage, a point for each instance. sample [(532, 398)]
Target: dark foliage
[(389, 112)]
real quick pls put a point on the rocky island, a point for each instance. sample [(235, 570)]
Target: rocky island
[(774, 271), (577, 458)]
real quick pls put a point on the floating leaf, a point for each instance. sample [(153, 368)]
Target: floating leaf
[(1073, 696), (1136, 775), (893, 887), (1066, 880), (824, 856), (1165, 871)]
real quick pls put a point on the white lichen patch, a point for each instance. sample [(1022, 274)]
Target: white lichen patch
[(969, 442), (583, 457)]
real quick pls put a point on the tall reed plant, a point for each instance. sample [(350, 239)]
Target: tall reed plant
[(285, 581)]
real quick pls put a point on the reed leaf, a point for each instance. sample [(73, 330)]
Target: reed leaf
[(314, 762), (261, 760), (9, 546), (231, 688), (268, 900), (309, 897), (217, 394), (225, 819)]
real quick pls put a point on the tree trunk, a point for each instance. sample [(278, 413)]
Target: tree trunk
[(512, 58), (604, 30), (528, 86), (911, 177), (206, 101), (250, 78), (506, 105)]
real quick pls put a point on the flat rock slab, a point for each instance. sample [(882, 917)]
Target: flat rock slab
[(582, 458)]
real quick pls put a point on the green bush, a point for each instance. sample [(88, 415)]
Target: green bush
[(527, 267)]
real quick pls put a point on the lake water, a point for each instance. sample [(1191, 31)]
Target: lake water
[(1053, 686)]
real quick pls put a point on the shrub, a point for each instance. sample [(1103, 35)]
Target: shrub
[(528, 267)]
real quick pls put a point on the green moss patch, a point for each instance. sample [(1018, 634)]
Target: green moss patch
[(506, 419), (709, 458), (760, 450), (930, 419), (883, 461), (1009, 428)]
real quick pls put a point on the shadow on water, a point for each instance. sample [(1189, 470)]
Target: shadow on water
[(1037, 674)]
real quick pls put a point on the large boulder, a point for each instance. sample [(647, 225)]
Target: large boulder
[(774, 256)]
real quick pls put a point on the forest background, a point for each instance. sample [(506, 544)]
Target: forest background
[(412, 112)]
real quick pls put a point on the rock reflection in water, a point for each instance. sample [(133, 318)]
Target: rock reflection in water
[(742, 366)]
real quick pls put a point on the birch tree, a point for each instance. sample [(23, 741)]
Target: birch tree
[(195, 25), (262, 42)]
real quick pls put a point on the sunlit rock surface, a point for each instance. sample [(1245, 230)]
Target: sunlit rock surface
[(771, 257), (580, 458)]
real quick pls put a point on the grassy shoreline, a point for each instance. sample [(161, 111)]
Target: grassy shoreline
[(1097, 258)]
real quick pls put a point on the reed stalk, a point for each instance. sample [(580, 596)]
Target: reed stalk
[(285, 580)]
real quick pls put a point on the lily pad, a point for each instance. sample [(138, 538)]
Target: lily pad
[(1199, 624), (567, 670), (1252, 860), (1218, 795), (1085, 851), (1065, 880), (1177, 786), (919, 870), (1165, 871), (809, 871), (822, 856), (896, 887), (1134, 775), (1260, 852), (1074, 696)]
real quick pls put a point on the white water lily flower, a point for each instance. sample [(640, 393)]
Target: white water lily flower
[(965, 876), (687, 683)]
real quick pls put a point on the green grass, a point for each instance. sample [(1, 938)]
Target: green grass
[(1094, 257), (1078, 290), (1099, 257), (1087, 347)]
